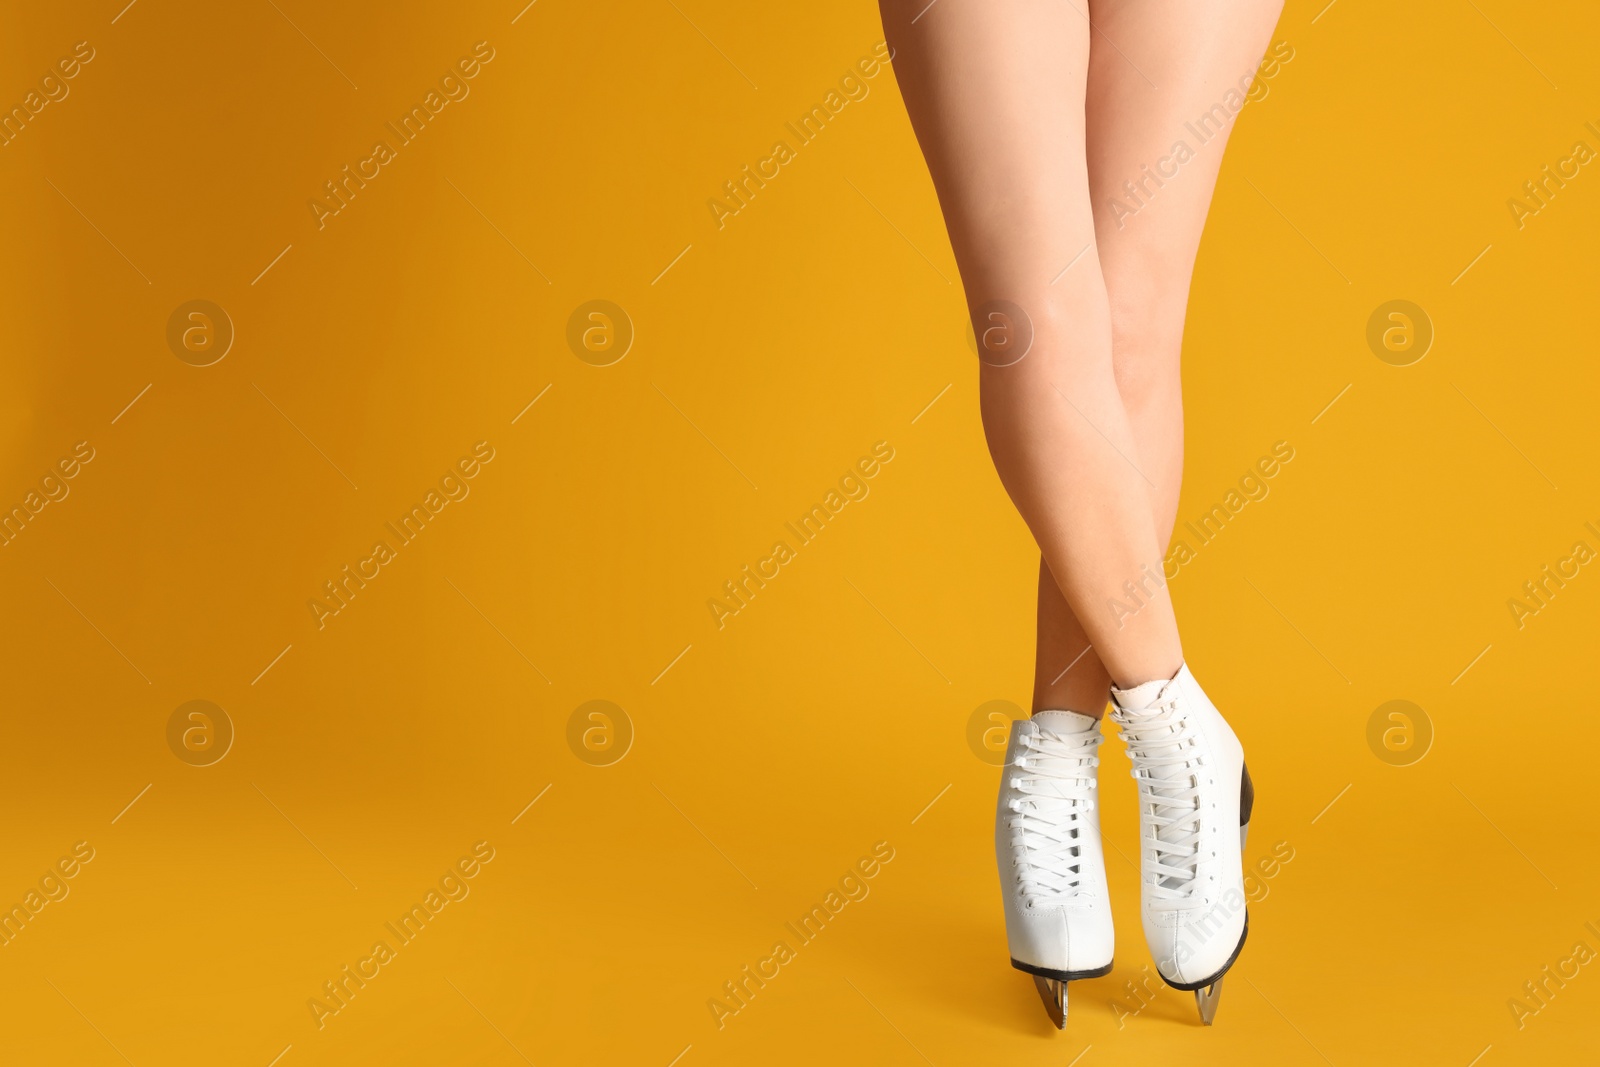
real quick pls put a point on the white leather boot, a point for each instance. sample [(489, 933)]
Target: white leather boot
[(1194, 812), (1047, 845)]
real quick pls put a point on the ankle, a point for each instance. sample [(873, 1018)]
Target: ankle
[(1134, 679), (1040, 709)]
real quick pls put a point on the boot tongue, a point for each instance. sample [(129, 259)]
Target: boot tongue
[(1134, 703), (1168, 783), (1140, 697), (1066, 722)]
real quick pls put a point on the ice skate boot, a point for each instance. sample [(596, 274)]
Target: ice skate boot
[(1047, 845), (1194, 813)]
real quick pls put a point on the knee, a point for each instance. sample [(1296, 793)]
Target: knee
[(1146, 340), (1061, 333), (1143, 357)]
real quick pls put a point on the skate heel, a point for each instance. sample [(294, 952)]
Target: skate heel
[(1247, 800), (1208, 997)]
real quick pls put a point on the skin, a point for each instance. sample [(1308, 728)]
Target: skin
[(1031, 118)]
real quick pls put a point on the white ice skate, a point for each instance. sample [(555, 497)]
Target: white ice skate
[(1194, 813), (1047, 844)]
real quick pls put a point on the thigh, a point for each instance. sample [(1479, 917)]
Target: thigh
[(995, 92), (1166, 84)]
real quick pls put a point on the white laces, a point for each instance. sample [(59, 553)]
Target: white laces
[(1056, 775), (1166, 765)]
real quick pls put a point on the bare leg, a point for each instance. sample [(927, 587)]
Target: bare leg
[(995, 90), (1147, 245)]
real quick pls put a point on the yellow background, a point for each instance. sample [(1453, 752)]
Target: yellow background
[(831, 711)]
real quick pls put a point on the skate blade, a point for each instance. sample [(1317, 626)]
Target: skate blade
[(1054, 994), (1206, 1000)]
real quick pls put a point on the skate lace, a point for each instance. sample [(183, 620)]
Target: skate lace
[(1056, 777), (1165, 764)]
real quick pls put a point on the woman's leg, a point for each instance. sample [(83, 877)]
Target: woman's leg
[(995, 91), (1159, 112), (1159, 77)]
